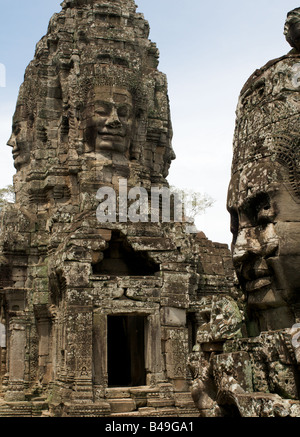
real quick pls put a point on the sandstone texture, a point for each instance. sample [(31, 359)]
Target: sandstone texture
[(128, 316), (98, 318), (257, 374)]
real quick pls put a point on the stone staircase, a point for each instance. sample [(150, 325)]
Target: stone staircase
[(23, 409), (142, 401), (147, 401)]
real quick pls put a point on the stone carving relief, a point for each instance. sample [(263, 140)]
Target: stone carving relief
[(255, 372), (93, 110)]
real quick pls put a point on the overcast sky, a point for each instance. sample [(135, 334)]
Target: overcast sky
[(207, 49)]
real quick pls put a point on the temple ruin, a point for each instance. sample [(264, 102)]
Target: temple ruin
[(98, 318), (106, 314), (257, 375)]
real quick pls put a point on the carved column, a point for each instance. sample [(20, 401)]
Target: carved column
[(2, 351), (16, 359), (100, 376), (79, 351), (2, 341), (43, 320), (153, 349), (15, 300)]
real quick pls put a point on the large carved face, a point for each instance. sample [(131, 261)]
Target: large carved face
[(264, 194), (265, 223), (19, 143), (110, 119)]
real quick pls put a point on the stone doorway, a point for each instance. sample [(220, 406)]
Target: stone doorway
[(119, 259), (126, 350)]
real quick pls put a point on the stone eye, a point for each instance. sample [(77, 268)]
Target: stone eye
[(102, 110), (16, 130), (258, 209), (263, 209), (123, 111)]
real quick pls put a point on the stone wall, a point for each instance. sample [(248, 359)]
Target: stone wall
[(100, 316)]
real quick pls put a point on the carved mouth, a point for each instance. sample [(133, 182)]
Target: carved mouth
[(258, 284), (256, 275), (110, 135)]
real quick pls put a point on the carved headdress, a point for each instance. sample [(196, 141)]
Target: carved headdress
[(92, 43), (270, 100)]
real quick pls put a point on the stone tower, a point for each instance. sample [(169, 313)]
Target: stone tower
[(257, 375), (98, 316)]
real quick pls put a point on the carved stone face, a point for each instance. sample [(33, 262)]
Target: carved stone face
[(19, 142), (109, 126), (265, 223), (292, 28)]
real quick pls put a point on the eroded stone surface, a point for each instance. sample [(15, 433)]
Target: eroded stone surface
[(141, 319), (255, 373), (99, 317)]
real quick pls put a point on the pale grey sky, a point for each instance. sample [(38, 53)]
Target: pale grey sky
[(208, 51)]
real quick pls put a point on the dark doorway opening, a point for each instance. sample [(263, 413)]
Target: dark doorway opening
[(121, 260), (192, 330), (126, 351)]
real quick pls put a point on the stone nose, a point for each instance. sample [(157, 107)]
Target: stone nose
[(113, 119), (246, 246), (12, 141)]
